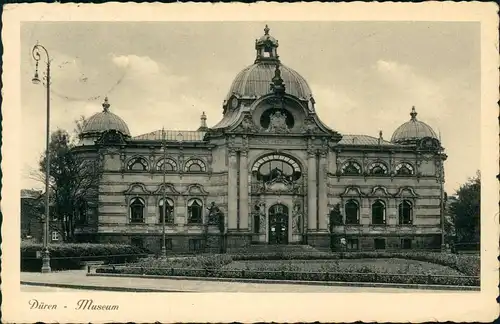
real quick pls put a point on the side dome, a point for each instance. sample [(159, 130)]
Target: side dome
[(412, 131), (254, 81), (104, 121)]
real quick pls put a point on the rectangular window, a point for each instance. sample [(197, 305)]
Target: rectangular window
[(353, 244), (137, 241), (406, 244), (168, 243), (195, 245), (379, 244), (55, 236)]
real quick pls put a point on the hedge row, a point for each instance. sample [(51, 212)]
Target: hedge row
[(288, 275), (467, 264), (66, 256)]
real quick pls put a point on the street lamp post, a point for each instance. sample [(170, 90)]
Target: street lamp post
[(36, 80), (164, 167)]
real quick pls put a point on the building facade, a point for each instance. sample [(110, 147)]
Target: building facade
[(274, 171)]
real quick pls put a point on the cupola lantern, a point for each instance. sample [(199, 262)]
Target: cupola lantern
[(266, 48)]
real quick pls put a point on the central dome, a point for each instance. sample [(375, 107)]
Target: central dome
[(254, 81)]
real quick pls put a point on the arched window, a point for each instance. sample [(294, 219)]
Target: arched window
[(276, 167), (378, 213), (351, 212), (405, 213), (195, 208), (351, 168), (138, 164), (169, 164), (195, 165), (168, 208), (404, 169), (378, 168), (137, 210)]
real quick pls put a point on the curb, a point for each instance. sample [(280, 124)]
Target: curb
[(101, 288), (295, 282)]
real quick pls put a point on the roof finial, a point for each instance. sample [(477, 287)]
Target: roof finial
[(106, 104), (266, 30), (380, 138), (413, 113), (203, 126), (277, 85)]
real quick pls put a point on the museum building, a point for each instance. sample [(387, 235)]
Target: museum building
[(272, 171)]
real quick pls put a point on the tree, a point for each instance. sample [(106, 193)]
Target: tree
[(465, 210), (73, 179)]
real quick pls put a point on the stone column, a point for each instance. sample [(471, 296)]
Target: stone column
[(243, 190), (232, 191), (322, 192), (311, 191)]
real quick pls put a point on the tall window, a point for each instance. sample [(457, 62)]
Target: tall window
[(195, 207), (137, 210), (378, 213), (405, 212), (137, 164), (276, 167), (168, 208), (169, 165), (195, 165), (404, 169), (351, 212), (256, 224), (351, 168)]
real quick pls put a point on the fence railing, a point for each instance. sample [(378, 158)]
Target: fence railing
[(297, 275), (107, 256)]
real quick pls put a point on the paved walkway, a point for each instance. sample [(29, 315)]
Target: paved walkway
[(78, 280)]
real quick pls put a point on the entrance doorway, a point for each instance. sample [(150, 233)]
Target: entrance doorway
[(278, 224)]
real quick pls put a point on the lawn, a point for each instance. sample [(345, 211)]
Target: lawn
[(394, 266)]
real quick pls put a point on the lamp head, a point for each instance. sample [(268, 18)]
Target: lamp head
[(36, 79)]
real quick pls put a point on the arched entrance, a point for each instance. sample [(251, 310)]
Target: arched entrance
[(278, 224)]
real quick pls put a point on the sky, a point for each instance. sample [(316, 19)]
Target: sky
[(365, 77)]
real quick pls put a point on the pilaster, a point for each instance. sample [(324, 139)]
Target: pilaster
[(311, 190), (232, 190), (322, 191), (243, 190)]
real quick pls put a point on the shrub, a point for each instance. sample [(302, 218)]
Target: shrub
[(65, 256), (466, 264), (295, 275)]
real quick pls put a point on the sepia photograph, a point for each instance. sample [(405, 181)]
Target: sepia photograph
[(251, 156)]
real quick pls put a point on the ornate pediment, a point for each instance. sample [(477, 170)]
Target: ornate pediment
[(406, 192), (352, 191), (379, 191), (169, 190), (310, 126), (137, 189), (247, 125), (195, 190)]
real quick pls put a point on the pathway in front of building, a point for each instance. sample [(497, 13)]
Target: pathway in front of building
[(78, 278)]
